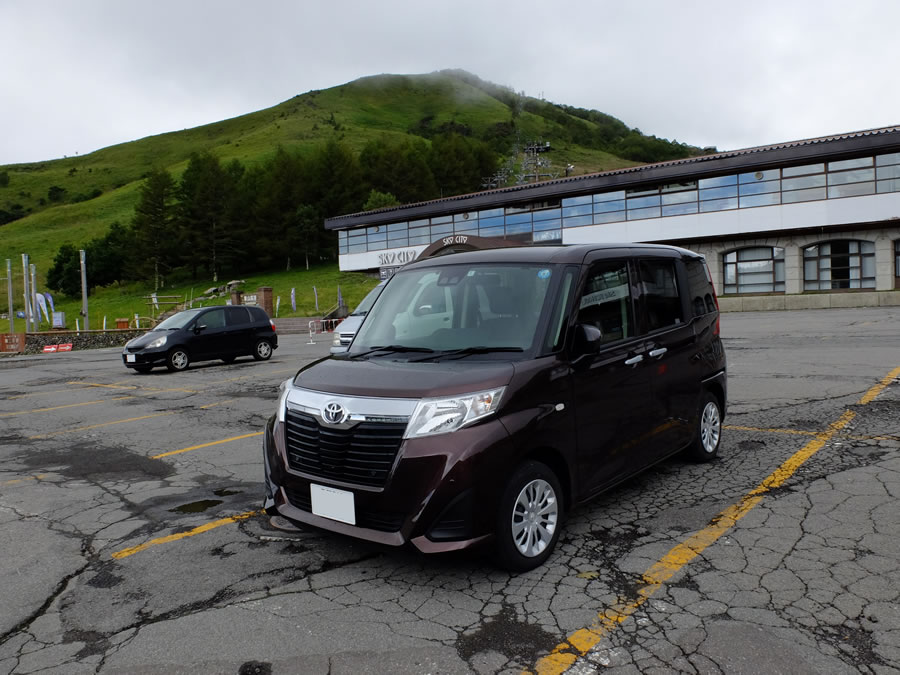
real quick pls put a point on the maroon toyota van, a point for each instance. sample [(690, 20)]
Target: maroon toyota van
[(487, 393)]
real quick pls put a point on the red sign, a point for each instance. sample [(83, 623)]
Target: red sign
[(66, 347), (49, 348)]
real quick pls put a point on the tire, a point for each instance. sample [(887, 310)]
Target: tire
[(529, 519), (143, 370), (262, 351), (178, 359), (229, 359), (708, 435)]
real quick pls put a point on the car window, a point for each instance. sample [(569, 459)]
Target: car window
[(659, 293), (213, 319), (556, 335), (237, 316), (700, 286), (459, 306), (606, 301)]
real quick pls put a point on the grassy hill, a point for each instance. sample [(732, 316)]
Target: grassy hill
[(74, 199)]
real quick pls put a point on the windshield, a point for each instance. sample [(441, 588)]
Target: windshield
[(363, 308), (179, 320), (479, 308)]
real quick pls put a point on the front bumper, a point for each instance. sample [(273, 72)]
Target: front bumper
[(441, 493), (145, 357)]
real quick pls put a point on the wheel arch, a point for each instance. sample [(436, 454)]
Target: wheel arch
[(556, 462)]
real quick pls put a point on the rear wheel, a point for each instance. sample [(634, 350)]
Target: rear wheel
[(705, 447), (529, 519), (263, 350), (178, 359)]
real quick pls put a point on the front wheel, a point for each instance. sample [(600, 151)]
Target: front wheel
[(530, 518), (263, 350), (708, 434), (177, 359)]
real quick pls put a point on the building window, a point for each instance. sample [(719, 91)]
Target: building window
[(839, 265), (759, 269), (897, 264)]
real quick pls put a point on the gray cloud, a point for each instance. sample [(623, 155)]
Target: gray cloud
[(80, 76)]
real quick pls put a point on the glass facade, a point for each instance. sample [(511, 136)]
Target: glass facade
[(543, 222), (837, 265), (758, 269)]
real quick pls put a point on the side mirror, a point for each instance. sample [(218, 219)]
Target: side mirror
[(199, 328), (587, 339)]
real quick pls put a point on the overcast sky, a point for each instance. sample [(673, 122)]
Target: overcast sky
[(76, 76)]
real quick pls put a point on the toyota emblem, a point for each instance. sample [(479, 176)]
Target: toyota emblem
[(334, 413)]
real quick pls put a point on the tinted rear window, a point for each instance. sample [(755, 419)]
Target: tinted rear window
[(701, 290)]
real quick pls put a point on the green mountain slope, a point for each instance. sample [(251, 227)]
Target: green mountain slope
[(73, 199)]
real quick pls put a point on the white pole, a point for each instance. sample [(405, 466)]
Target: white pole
[(9, 295), (84, 302), (34, 305), (27, 293)]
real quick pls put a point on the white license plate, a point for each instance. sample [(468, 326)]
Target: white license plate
[(331, 503), (130, 358)]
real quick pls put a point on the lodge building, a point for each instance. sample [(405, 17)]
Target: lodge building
[(805, 224)]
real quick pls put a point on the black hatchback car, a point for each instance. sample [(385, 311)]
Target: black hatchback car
[(203, 334)]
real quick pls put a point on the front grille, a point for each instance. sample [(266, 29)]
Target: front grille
[(346, 338), (383, 521), (361, 455)]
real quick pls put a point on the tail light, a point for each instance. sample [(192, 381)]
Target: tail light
[(272, 323)]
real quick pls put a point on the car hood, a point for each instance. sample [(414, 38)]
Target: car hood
[(147, 338), (385, 378)]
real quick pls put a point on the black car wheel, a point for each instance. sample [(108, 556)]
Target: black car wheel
[(263, 350), (529, 519), (177, 359), (705, 446)]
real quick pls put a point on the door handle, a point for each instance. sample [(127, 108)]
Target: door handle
[(658, 352), (634, 360)]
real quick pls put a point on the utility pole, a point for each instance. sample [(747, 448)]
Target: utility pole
[(84, 304), (36, 320), (9, 296), (27, 293)]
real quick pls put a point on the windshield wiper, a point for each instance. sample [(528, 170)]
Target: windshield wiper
[(392, 348), (466, 351)]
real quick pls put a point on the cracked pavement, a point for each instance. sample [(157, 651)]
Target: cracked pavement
[(806, 582)]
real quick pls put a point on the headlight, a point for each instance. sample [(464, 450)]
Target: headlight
[(443, 415), (284, 388), (158, 342), (337, 339)]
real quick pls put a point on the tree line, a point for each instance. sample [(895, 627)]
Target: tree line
[(227, 219)]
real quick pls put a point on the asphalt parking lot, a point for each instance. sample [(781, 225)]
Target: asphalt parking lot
[(131, 539)]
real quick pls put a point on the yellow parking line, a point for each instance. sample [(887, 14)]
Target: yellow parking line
[(124, 553), (104, 424), (582, 641), (206, 445), (139, 386), (60, 407), (45, 393), (130, 419), (878, 388), (22, 480), (105, 386)]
